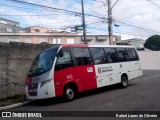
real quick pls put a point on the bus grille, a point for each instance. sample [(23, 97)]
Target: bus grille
[(32, 89)]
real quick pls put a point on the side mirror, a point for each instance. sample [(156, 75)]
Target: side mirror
[(61, 53)]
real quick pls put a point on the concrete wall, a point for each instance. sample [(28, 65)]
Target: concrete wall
[(15, 60), (150, 60)]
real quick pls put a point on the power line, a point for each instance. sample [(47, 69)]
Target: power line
[(114, 4), (99, 1), (53, 8), (64, 5), (92, 23), (131, 16), (41, 6), (131, 33), (90, 9), (53, 3), (126, 33), (28, 8), (29, 15), (17, 7), (154, 3), (138, 27)]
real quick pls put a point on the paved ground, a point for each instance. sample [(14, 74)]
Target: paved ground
[(142, 95), (12, 100)]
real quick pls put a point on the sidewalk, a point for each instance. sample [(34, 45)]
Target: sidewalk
[(12, 102)]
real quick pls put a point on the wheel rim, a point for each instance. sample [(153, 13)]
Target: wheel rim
[(69, 93), (124, 82)]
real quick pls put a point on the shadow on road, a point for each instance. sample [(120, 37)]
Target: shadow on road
[(59, 100), (47, 102)]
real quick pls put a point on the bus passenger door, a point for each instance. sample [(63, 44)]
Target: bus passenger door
[(99, 60), (63, 72), (83, 70)]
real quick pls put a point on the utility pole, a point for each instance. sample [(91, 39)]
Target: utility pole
[(83, 23), (110, 23)]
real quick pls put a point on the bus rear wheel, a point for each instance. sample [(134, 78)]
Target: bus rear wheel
[(69, 93), (124, 81)]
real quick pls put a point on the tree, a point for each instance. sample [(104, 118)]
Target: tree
[(153, 43)]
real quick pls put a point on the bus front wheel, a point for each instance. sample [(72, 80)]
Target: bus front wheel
[(69, 93), (124, 81)]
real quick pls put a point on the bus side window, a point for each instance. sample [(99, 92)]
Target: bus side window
[(98, 55), (132, 54), (63, 60), (122, 54), (111, 55), (81, 56)]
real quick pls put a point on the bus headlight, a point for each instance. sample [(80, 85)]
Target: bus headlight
[(45, 82)]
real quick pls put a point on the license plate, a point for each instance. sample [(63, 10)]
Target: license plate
[(30, 90)]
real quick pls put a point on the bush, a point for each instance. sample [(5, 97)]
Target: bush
[(153, 43)]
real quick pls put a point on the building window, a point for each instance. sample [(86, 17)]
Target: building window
[(17, 24), (13, 39), (3, 22), (22, 31), (41, 40), (37, 30), (56, 41), (28, 40), (9, 30), (88, 38), (101, 38), (70, 40)]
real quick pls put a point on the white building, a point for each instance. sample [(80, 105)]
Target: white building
[(138, 43)]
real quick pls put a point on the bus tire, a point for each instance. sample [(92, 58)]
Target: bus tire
[(69, 93), (124, 81)]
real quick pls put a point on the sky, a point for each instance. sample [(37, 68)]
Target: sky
[(131, 18)]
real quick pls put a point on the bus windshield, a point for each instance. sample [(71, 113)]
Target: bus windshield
[(43, 62)]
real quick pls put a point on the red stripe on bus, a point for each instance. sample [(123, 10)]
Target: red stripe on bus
[(78, 75)]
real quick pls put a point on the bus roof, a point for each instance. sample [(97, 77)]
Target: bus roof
[(124, 46), (91, 45), (75, 45)]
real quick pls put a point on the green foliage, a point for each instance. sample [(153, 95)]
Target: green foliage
[(153, 43)]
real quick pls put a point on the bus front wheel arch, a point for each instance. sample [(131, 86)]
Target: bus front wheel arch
[(124, 81)]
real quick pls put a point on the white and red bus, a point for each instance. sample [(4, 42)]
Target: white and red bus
[(65, 70)]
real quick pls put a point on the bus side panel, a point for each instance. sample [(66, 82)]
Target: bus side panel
[(82, 76), (108, 74), (87, 77), (61, 77), (133, 69)]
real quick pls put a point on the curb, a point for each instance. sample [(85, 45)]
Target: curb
[(14, 105)]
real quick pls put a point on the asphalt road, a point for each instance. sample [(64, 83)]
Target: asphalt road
[(142, 95)]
